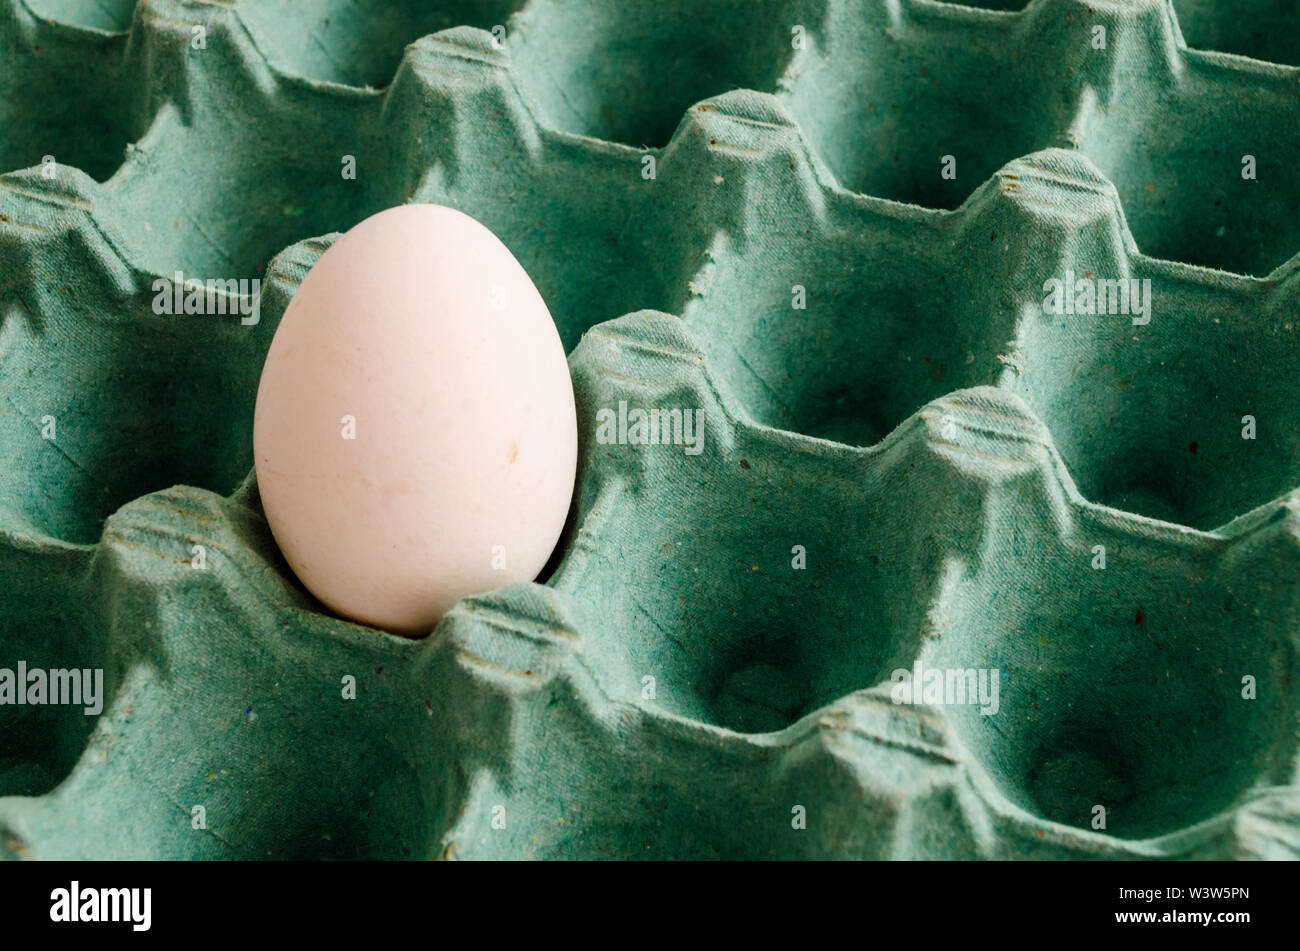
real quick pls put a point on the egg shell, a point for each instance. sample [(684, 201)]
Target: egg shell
[(415, 436)]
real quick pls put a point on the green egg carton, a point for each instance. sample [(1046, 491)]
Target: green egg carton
[(835, 425)]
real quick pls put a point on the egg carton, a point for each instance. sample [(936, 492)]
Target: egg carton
[(882, 451)]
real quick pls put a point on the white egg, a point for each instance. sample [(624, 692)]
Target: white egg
[(415, 437)]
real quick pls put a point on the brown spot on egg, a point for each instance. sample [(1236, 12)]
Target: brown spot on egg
[(514, 452)]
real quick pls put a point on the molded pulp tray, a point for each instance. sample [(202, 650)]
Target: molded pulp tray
[(739, 208)]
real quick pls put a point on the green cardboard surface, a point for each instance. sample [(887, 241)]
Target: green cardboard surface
[(905, 456)]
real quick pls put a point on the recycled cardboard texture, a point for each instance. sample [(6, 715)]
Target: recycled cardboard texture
[(948, 456)]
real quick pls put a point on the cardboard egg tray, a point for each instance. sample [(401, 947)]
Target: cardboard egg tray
[(831, 429)]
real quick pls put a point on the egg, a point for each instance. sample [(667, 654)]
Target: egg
[(415, 437)]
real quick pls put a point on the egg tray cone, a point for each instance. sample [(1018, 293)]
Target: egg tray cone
[(902, 458)]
